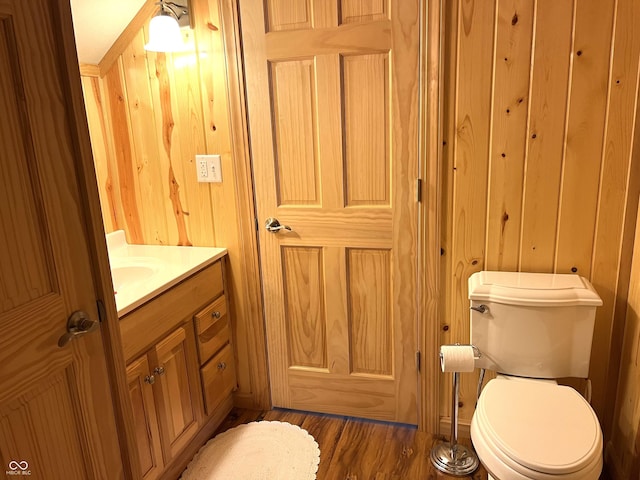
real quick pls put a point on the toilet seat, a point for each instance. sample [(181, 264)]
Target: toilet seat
[(536, 429)]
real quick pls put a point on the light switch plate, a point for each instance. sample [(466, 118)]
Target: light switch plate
[(208, 168)]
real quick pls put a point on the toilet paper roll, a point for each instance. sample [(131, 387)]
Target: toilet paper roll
[(457, 358)]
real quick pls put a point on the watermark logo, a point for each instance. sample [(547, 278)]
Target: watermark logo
[(18, 468)]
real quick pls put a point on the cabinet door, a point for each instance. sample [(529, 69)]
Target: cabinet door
[(172, 361), (145, 419)]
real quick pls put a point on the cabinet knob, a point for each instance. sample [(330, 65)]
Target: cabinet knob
[(150, 379), (159, 370), (222, 366), (215, 314)]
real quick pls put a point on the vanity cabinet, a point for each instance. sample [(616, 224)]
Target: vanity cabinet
[(180, 370)]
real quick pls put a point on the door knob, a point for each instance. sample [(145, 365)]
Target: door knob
[(273, 225), (78, 324)]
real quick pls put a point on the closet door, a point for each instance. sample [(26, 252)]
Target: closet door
[(332, 94)]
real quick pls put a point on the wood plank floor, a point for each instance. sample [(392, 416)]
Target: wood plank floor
[(353, 449)]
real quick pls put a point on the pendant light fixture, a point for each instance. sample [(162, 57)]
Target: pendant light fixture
[(164, 28)]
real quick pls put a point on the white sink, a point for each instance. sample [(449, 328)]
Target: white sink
[(131, 272)]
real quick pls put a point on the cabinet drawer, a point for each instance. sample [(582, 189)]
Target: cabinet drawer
[(218, 379), (212, 329)]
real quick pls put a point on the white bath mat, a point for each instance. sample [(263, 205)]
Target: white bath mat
[(257, 451)]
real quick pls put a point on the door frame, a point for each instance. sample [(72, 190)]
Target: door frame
[(430, 258), (430, 209), (88, 190)]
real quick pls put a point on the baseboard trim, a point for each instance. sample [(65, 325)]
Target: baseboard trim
[(464, 428)]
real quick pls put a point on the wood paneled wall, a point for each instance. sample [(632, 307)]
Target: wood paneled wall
[(539, 103), (149, 115)]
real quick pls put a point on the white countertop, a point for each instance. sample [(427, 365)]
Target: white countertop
[(141, 272)]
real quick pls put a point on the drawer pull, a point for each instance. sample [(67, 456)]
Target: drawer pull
[(150, 379), (215, 314), (222, 366), (158, 370)]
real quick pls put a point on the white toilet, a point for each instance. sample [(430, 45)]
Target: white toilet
[(532, 328)]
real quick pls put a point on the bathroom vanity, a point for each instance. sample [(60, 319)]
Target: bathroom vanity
[(177, 343)]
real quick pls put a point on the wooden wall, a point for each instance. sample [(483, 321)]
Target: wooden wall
[(539, 108), (149, 115)]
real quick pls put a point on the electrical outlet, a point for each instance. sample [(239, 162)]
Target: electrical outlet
[(202, 169), (208, 168)]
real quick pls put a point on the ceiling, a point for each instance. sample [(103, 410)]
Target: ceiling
[(98, 23)]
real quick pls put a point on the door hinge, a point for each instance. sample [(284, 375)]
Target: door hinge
[(418, 190), (418, 360), (102, 311)]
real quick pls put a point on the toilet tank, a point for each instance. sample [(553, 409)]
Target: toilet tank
[(536, 325)]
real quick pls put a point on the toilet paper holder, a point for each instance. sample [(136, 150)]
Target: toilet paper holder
[(477, 354), (451, 457)]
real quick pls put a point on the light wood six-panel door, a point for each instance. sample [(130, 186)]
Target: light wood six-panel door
[(332, 97), (56, 410)]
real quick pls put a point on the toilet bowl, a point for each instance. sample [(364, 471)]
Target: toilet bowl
[(535, 429), (532, 328)]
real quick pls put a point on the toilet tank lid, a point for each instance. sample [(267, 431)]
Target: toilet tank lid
[(532, 289)]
